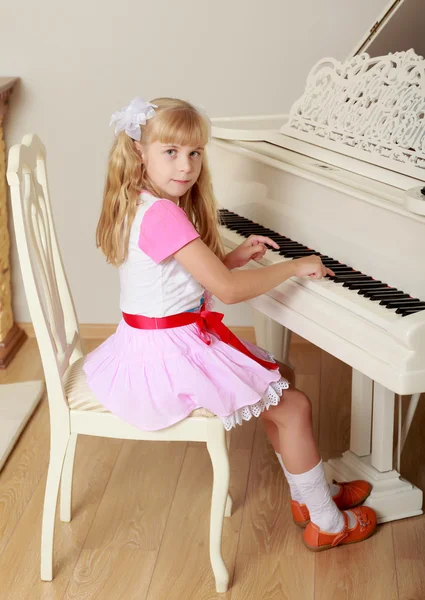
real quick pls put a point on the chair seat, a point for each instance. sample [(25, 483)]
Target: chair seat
[(80, 397)]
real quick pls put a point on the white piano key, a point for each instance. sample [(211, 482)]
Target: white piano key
[(335, 292)]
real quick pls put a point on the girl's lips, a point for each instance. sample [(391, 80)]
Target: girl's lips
[(181, 181)]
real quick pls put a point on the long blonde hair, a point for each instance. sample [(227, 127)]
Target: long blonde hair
[(175, 122)]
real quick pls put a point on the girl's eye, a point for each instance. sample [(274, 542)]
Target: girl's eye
[(170, 151), (195, 153)]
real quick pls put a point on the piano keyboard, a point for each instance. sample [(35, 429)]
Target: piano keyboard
[(372, 298)]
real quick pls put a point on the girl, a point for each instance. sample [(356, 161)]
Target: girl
[(170, 354)]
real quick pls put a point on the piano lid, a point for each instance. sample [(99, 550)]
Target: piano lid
[(372, 106), (369, 108), (366, 114), (398, 28)]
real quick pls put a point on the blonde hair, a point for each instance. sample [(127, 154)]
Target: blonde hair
[(175, 122)]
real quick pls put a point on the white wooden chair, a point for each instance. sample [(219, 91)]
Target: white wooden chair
[(73, 409)]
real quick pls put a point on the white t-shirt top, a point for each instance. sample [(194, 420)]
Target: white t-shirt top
[(152, 282)]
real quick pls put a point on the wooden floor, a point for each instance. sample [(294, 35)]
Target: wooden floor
[(141, 509)]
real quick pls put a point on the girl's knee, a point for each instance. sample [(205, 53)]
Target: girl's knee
[(300, 404), (294, 408)]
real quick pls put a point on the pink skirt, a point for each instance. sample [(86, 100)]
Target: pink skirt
[(153, 378)]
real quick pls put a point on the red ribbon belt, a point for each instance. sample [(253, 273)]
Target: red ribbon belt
[(207, 322)]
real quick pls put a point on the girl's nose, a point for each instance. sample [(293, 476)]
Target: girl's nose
[(185, 164)]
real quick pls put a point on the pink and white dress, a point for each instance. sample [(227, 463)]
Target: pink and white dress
[(153, 378)]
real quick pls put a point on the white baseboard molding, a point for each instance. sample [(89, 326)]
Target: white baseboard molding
[(17, 403), (104, 330)]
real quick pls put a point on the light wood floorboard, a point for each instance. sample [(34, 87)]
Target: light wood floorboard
[(141, 513)]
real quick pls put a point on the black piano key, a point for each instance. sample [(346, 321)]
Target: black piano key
[(374, 297), (374, 285), (387, 299), (234, 227), (403, 302), (406, 304), (251, 231), (232, 221), (402, 309), (358, 285), (277, 239), (365, 285), (345, 270), (387, 292), (352, 278), (332, 263), (291, 249), (407, 300), (292, 246), (342, 275), (249, 226), (342, 272), (299, 253), (282, 238), (377, 288), (284, 251), (411, 311)]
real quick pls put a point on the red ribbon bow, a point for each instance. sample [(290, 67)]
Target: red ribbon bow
[(207, 322)]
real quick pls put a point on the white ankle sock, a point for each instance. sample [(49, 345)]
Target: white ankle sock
[(295, 495), (314, 490)]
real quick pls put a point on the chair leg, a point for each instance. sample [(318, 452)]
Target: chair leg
[(229, 501), (217, 449), (57, 454), (66, 480)]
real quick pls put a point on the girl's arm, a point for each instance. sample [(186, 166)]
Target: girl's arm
[(252, 248), (237, 286)]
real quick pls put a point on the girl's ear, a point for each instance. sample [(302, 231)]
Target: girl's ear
[(139, 149)]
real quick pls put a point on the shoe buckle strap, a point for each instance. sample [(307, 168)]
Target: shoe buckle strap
[(343, 534)]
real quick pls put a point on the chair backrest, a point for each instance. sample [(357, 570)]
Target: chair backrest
[(46, 286)]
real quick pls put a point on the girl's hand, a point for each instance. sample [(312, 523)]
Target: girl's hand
[(253, 248), (311, 266)]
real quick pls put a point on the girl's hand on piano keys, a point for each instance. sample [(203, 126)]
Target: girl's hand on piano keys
[(311, 266), (253, 248)]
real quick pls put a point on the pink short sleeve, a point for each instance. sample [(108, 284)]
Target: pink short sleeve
[(165, 229)]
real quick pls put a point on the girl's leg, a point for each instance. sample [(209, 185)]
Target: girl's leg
[(272, 433), (291, 431), (293, 420)]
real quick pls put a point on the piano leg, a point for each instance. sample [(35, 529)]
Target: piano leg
[(272, 336), (392, 497), (361, 414), (413, 405), (382, 428)]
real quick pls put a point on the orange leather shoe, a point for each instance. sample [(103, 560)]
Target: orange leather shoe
[(300, 513), (317, 540), (350, 495)]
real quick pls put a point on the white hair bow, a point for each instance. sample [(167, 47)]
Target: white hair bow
[(201, 110), (130, 117)]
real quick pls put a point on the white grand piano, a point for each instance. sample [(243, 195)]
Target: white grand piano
[(343, 174)]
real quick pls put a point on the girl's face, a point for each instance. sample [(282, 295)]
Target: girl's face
[(173, 169)]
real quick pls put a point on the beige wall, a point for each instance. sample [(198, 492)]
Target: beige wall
[(80, 61)]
